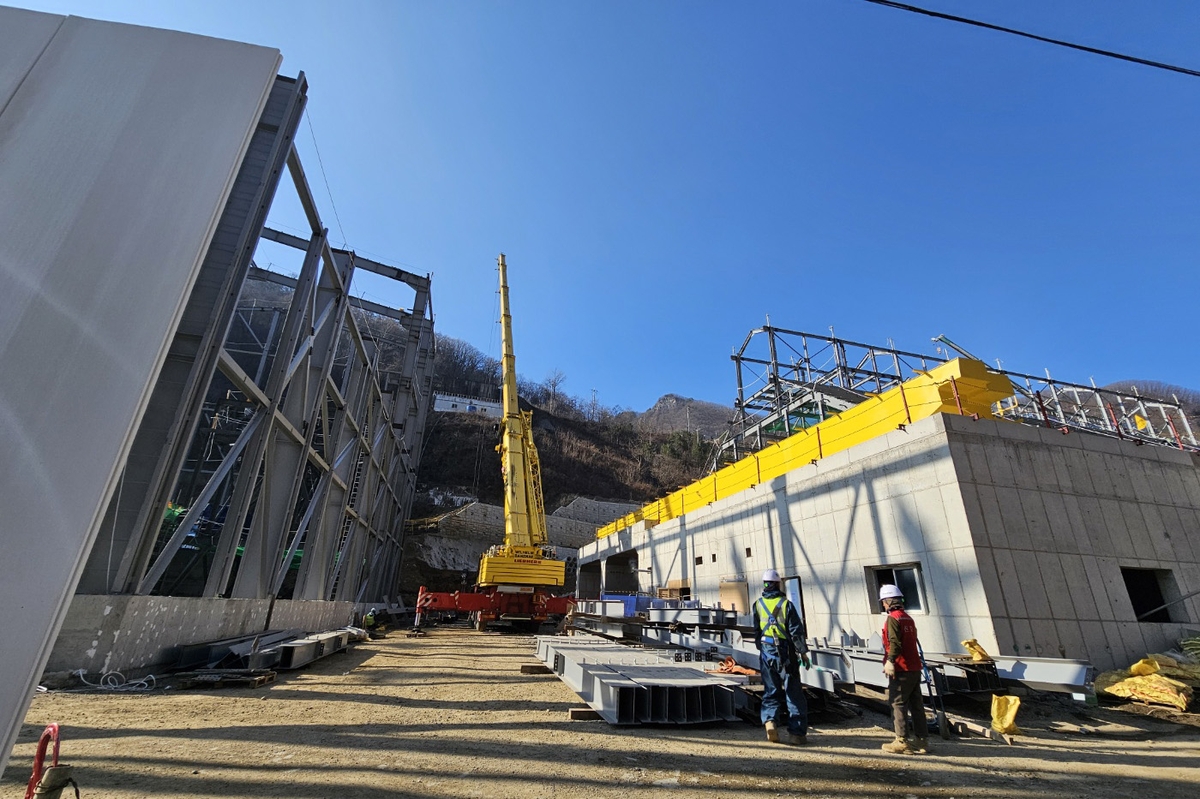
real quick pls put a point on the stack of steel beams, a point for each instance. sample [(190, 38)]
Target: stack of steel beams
[(627, 685)]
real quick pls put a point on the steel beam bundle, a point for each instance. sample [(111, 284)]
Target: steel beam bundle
[(638, 686)]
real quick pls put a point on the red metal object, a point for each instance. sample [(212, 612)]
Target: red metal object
[(535, 605), (39, 760)]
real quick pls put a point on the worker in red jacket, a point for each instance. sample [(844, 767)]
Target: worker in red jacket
[(903, 667)]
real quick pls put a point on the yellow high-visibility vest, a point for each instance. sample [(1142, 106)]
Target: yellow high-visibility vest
[(772, 626)]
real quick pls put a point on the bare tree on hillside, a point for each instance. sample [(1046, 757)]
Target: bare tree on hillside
[(553, 383)]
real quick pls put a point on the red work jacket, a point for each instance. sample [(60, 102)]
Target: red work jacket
[(909, 658)]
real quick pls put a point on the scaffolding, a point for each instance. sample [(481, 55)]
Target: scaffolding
[(788, 381)]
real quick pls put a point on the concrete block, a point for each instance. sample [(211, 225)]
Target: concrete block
[(990, 584), (1075, 582), (1096, 644), (1102, 483), (935, 529), (1151, 482), (1045, 637), (1006, 640), (1062, 475), (1092, 515), (1019, 432), (1041, 537), (1000, 464), (1024, 474), (989, 503), (978, 460), (1071, 643), (1015, 530), (1097, 443), (1057, 522), (1023, 641), (1114, 585), (1182, 546), (974, 525), (974, 595), (1077, 527), (1011, 581), (1037, 604), (1079, 471), (1122, 541), (1134, 643), (1058, 590), (1155, 531)]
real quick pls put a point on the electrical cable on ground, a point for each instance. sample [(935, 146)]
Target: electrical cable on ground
[(989, 26)]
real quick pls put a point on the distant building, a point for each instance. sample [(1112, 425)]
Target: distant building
[(453, 403)]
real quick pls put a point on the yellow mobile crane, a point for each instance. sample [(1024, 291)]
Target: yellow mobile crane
[(516, 577)]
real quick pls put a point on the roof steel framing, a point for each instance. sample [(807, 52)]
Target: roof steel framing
[(803, 377)]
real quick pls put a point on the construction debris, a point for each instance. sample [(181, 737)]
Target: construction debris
[(225, 678)]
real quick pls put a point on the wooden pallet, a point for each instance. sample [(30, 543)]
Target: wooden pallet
[(225, 678)]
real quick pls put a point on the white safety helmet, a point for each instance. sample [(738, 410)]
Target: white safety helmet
[(770, 576), (889, 591)]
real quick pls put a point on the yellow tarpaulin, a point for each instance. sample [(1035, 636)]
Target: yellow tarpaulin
[(1153, 688)]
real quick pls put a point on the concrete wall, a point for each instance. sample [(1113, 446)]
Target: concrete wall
[(123, 632), (1019, 533), (1054, 518), (889, 501)]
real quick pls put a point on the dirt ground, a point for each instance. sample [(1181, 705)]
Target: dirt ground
[(450, 715)]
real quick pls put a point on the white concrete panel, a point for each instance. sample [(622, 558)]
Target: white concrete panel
[(1010, 580), (1013, 517), (23, 36), (1033, 590), (1041, 538), (117, 152)]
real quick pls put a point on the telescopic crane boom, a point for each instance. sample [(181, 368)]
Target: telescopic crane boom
[(515, 577)]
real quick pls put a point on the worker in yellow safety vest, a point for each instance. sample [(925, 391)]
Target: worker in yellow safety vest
[(781, 651)]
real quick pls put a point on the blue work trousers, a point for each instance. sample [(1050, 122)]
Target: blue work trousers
[(783, 696)]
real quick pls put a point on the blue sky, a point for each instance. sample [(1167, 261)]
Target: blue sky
[(663, 175)]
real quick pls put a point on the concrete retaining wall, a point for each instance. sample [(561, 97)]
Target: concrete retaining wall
[(127, 633)]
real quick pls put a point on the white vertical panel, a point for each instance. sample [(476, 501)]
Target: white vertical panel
[(117, 153), (23, 36)]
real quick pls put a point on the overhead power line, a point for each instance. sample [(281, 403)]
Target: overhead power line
[(989, 26)]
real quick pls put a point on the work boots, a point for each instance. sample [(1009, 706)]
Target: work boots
[(772, 733), (795, 739), (917, 746)]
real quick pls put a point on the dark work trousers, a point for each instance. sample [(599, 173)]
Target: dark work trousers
[(783, 696), (904, 693)]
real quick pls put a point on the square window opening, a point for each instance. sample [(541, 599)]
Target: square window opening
[(1153, 592), (747, 551), (906, 577), (699, 560), (714, 557)]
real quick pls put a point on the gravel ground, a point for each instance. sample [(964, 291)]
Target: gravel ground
[(450, 715)]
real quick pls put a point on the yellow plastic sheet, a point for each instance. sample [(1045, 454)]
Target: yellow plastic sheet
[(978, 654), (1004, 714), (1153, 688)]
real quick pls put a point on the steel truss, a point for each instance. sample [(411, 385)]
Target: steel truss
[(803, 378), (294, 453)]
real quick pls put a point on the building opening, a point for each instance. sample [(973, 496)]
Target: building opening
[(1151, 589)]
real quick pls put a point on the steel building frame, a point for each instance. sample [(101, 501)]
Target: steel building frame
[(802, 378), (321, 454)]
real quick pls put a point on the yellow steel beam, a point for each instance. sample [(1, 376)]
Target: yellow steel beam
[(962, 386)]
